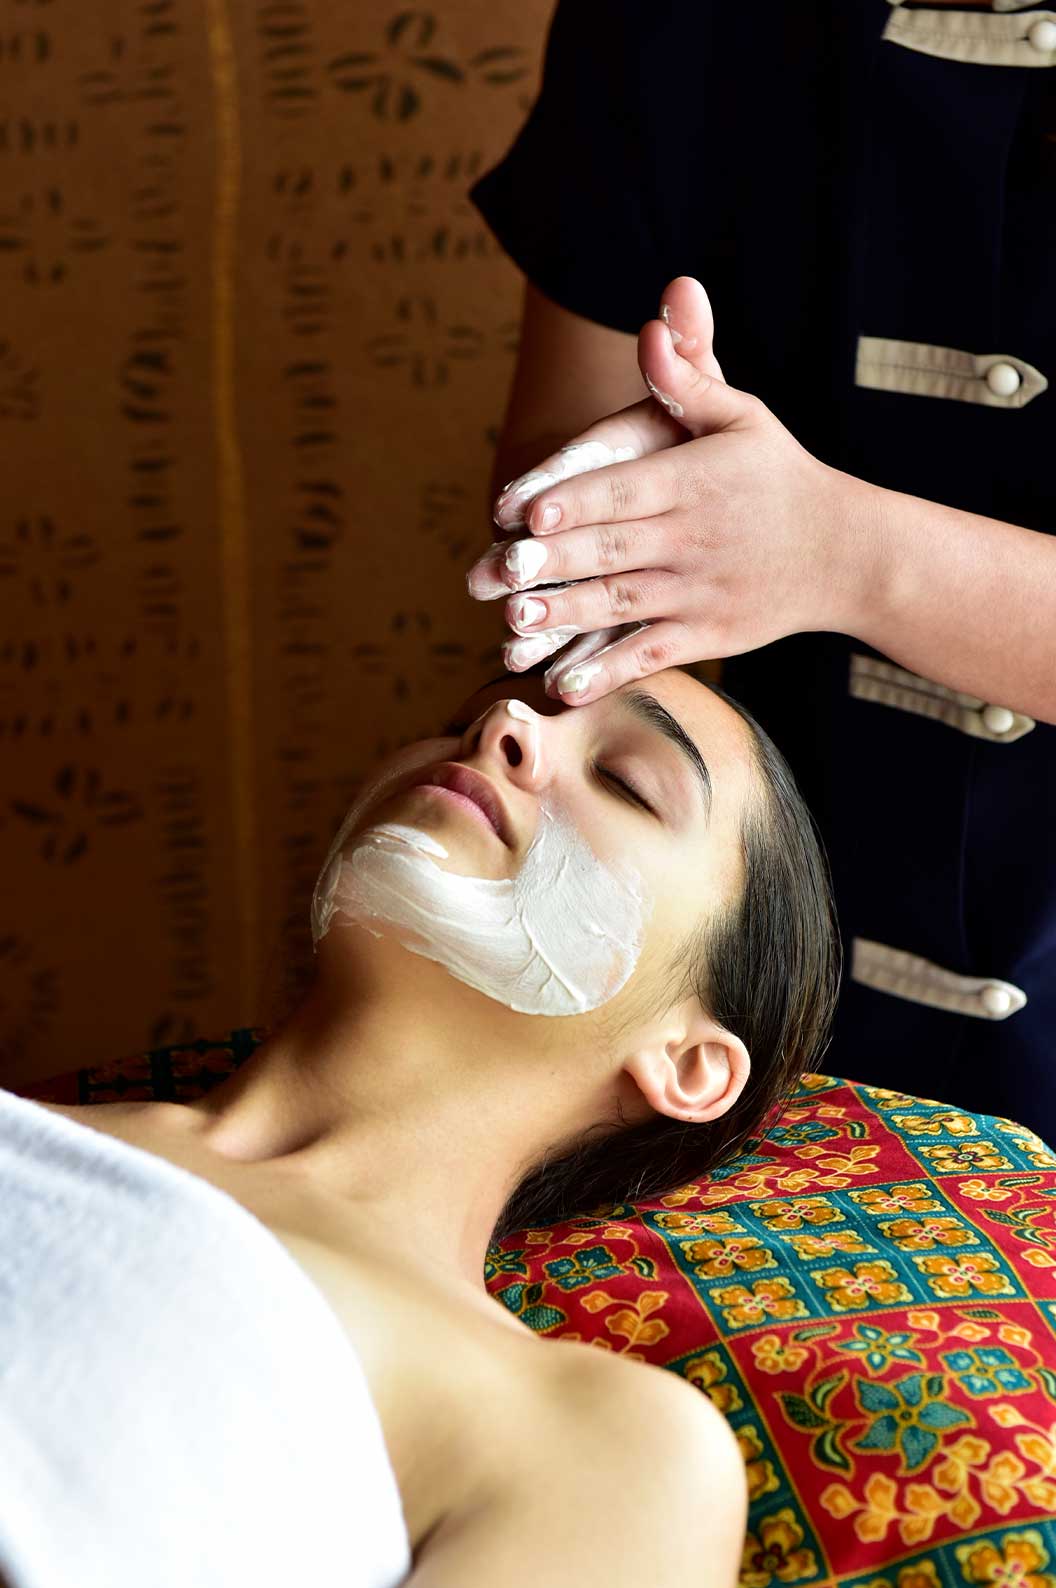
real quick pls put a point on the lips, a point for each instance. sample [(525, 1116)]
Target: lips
[(464, 780)]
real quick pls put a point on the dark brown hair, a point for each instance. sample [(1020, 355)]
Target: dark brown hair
[(766, 967)]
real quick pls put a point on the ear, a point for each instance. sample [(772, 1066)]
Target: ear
[(695, 1073)]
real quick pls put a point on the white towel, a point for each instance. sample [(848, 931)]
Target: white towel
[(179, 1405)]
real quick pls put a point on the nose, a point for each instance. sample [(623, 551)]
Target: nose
[(509, 734)]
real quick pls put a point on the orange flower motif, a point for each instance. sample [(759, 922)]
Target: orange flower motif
[(1017, 1564), (847, 1289), (776, 1551), (971, 1331), (998, 1482), (762, 1479), (961, 1276), (713, 1259), (708, 1372), (948, 1158), (772, 1356), (768, 1298), (719, 1223), (810, 1246), (797, 1211), (923, 1320), (922, 1575), (913, 1197), (946, 1124), (1006, 1416), (921, 1235), (979, 1191)]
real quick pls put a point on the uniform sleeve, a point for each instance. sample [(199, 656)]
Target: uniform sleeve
[(583, 202)]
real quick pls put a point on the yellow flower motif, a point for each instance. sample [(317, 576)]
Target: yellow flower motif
[(719, 1223), (1006, 1416), (886, 1097), (825, 1245), (847, 1289), (708, 1372), (713, 1259), (947, 1124), (1029, 1143), (922, 1575), (797, 1211), (1038, 1259), (1015, 1565), (963, 1276), (979, 1191), (923, 1320), (1014, 1334), (998, 1482), (776, 1552), (772, 1356), (1042, 1493), (912, 1197), (762, 1479), (971, 1331), (948, 1158), (952, 1472), (921, 1234), (767, 1298)]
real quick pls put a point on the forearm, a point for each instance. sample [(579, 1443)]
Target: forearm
[(966, 601)]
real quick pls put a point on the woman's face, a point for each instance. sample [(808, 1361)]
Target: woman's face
[(647, 783)]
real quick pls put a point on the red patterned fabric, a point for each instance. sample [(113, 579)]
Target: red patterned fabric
[(868, 1295)]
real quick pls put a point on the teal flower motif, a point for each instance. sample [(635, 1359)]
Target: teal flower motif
[(583, 1269), (879, 1349), (807, 1130), (499, 1262), (987, 1371), (911, 1416)]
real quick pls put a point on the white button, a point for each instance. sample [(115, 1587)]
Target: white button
[(1004, 379), (998, 719), (996, 1000), (1043, 36)]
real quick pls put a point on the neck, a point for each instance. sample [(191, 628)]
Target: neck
[(413, 1100)]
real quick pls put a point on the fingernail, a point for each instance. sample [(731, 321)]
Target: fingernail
[(578, 678), (524, 559), (532, 648), (527, 611), (551, 516), (665, 315), (674, 408)]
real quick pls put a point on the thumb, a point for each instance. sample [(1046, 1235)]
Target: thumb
[(685, 309), (701, 403), (677, 359)]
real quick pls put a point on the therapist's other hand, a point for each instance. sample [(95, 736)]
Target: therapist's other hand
[(713, 533)]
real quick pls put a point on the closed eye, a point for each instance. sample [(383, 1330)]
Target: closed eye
[(607, 776)]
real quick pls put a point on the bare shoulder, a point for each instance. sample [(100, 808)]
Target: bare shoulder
[(625, 1473)]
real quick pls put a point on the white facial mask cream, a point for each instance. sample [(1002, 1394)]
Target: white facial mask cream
[(560, 938)]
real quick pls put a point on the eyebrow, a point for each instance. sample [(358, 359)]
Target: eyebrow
[(649, 710)]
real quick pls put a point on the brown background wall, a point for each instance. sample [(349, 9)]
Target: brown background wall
[(255, 346)]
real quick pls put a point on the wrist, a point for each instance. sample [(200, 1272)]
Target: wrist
[(864, 533)]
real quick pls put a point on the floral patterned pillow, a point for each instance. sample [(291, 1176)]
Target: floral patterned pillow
[(868, 1295)]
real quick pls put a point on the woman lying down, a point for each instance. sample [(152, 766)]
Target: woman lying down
[(564, 958)]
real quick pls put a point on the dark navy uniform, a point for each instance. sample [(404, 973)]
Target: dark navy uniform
[(868, 193)]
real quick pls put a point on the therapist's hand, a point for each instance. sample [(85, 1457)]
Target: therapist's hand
[(701, 529)]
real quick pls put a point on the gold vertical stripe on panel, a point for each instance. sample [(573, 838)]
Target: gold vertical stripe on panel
[(235, 567)]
